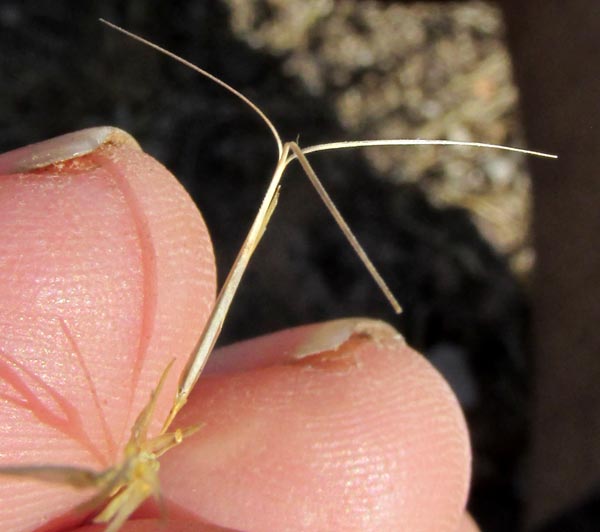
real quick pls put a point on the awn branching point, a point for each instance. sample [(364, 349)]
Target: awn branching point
[(124, 487)]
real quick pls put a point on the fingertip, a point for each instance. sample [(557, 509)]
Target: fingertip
[(159, 525), (63, 148), (362, 436), (468, 524), (106, 274)]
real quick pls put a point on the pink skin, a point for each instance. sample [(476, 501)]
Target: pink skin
[(107, 274)]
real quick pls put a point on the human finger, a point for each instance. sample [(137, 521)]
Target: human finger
[(106, 274), (336, 426)]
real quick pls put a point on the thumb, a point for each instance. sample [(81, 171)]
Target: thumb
[(106, 274)]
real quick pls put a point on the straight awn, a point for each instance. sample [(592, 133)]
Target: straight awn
[(122, 488)]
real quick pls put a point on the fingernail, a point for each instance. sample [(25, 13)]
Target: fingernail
[(63, 148), (331, 335)]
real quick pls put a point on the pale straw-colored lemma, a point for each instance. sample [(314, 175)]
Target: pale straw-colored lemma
[(121, 489)]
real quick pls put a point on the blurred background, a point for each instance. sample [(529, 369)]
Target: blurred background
[(450, 229)]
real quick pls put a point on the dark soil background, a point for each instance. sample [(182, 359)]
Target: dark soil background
[(446, 227)]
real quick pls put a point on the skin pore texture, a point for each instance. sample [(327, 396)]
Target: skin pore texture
[(106, 275)]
